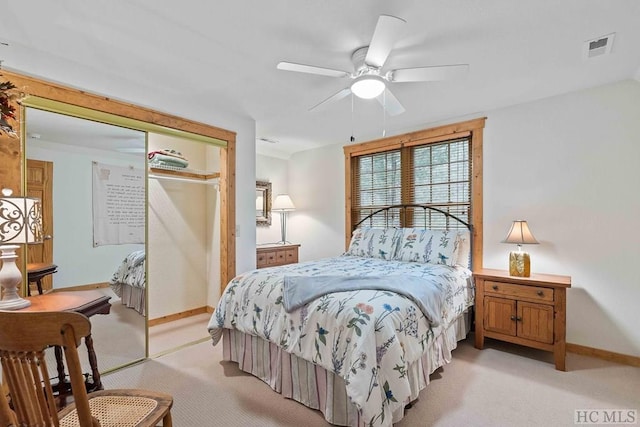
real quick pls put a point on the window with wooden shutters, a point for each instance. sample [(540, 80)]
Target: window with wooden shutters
[(377, 184), (440, 166), (439, 175), (435, 174)]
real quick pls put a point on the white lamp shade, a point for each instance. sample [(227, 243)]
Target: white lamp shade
[(368, 86), (283, 203), (260, 203), (520, 234), (20, 220)]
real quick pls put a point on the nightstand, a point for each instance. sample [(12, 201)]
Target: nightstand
[(530, 311), (276, 254)]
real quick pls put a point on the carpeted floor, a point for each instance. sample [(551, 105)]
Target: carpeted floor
[(502, 385)]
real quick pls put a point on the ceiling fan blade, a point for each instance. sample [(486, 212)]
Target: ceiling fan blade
[(343, 93), (387, 31), (301, 68), (429, 74), (392, 106)]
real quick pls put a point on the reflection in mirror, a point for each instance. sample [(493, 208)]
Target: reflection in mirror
[(90, 177), (263, 203)]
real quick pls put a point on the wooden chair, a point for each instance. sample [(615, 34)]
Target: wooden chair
[(23, 339)]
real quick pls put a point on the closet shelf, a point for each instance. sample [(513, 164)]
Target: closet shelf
[(186, 174)]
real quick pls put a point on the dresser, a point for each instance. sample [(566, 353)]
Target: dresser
[(276, 254), (529, 311)]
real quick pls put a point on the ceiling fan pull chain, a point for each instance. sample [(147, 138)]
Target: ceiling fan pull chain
[(384, 113), (352, 139)]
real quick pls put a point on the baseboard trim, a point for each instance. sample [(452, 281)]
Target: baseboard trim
[(178, 316), (610, 356), (88, 287)]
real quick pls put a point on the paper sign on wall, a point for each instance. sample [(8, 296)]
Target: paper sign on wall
[(118, 205)]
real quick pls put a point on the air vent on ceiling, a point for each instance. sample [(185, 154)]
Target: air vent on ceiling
[(599, 46)]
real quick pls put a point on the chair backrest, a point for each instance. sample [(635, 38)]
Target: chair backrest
[(24, 337)]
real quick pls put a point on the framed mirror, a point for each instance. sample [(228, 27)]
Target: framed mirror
[(263, 203)]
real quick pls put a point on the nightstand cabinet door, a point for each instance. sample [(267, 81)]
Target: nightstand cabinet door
[(500, 315), (535, 322)]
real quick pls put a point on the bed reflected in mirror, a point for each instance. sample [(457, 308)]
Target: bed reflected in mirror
[(263, 203), (90, 177)]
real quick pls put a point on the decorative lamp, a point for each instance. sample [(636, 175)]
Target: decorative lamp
[(368, 86), (519, 261), (284, 205), (20, 223)]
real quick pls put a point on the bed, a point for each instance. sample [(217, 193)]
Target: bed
[(129, 281), (355, 336)]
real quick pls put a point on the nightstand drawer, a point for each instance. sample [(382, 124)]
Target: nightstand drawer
[(292, 256), (519, 291), (276, 254)]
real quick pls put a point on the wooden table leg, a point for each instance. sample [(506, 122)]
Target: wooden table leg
[(93, 361), (60, 365), (63, 388)]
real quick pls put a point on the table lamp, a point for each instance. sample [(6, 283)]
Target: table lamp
[(519, 261), (20, 223), (284, 205)]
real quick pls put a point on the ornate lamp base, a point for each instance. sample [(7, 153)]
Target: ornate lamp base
[(10, 278), (519, 264)]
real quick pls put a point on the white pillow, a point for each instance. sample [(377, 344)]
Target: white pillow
[(374, 242)]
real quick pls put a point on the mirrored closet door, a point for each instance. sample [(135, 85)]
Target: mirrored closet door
[(68, 161)]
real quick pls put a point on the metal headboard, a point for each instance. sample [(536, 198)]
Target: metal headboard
[(402, 211)]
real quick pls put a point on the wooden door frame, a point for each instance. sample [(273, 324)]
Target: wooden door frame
[(12, 150)]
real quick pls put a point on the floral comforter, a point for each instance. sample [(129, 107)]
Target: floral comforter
[(367, 337), (131, 271)]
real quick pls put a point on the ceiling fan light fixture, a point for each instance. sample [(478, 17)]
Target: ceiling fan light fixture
[(368, 86)]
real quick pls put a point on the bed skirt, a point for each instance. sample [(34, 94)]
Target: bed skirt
[(131, 296), (317, 388)]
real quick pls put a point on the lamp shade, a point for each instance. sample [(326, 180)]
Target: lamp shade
[(283, 203), (368, 86), (20, 219), (260, 203), (520, 234)]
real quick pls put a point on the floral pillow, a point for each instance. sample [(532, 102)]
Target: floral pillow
[(428, 246), (374, 242)]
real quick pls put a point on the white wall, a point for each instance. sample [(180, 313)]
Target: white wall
[(79, 263), (317, 186), (568, 165)]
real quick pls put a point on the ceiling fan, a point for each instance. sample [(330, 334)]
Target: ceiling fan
[(369, 79)]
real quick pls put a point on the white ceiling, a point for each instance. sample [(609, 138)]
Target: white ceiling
[(181, 57)]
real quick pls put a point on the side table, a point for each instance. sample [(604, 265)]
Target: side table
[(84, 302)]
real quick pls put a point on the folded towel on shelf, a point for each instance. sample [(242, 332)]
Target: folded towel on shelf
[(158, 159), (168, 152)]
